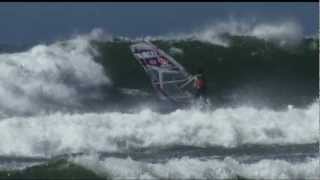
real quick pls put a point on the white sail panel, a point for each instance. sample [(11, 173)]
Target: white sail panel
[(168, 77)]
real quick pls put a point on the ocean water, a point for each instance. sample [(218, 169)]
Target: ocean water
[(83, 107)]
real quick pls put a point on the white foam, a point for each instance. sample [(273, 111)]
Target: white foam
[(282, 32), (288, 32), (192, 168), (61, 133), (134, 92), (11, 166), (49, 75), (175, 51)]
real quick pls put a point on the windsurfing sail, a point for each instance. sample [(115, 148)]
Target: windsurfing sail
[(169, 79)]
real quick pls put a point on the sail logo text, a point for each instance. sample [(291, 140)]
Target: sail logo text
[(147, 54)]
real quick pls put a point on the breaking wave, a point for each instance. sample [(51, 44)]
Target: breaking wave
[(192, 168), (282, 33), (59, 133), (40, 87), (50, 77), (65, 75)]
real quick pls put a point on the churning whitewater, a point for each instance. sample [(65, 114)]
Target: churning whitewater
[(58, 133), (188, 168), (49, 77), (87, 101)]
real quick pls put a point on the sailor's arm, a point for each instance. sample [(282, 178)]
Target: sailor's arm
[(192, 78)]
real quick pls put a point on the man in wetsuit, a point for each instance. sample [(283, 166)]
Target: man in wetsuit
[(200, 84)]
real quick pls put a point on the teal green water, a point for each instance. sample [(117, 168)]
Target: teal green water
[(55, 169), (250, 68)]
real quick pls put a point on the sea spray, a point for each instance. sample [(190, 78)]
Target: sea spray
[(60, 133), (186, 168), (48, 77)]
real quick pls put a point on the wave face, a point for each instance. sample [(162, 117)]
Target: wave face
[(97, 70), (250, 71)]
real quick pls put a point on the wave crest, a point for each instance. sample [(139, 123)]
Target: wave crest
[(49, 76)]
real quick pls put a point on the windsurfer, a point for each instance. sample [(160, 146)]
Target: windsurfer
[(200, 84)]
